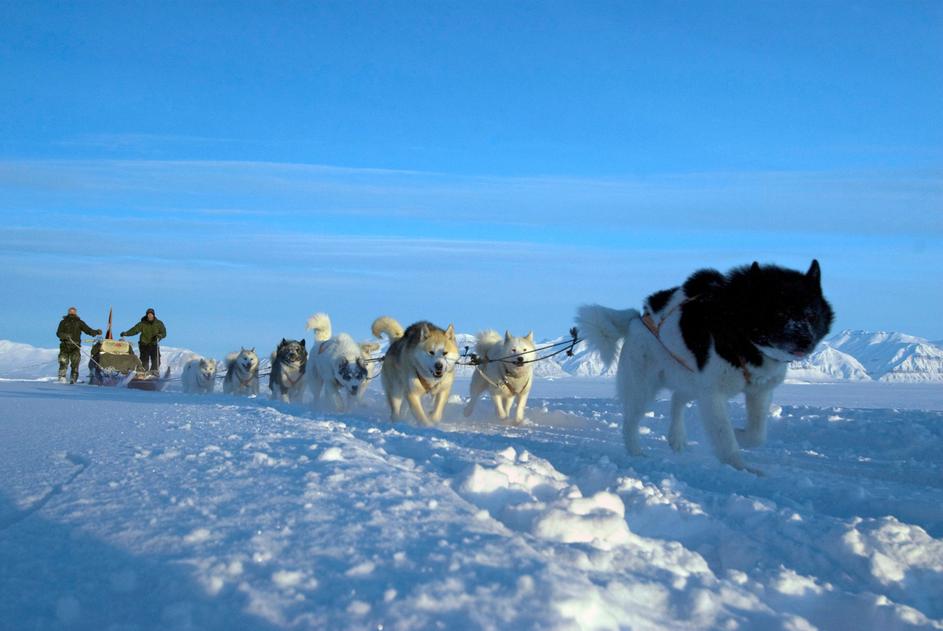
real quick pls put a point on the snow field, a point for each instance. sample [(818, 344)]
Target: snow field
[(215, 512)]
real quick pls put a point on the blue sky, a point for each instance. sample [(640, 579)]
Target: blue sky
[(239, 166)]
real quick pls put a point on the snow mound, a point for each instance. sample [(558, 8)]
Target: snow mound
[(527, 494)]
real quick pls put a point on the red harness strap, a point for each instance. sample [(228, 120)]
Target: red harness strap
[(655, 329)]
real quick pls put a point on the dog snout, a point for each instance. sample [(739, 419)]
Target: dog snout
[(439, 366), (804, 341), (354, 389)]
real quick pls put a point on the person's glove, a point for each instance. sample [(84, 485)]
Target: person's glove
[(157, 339), (123, 333), (98, 331)]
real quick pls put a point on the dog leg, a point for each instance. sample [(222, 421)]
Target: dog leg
[(521, 405), (478, 386), (500, 406), (633, 407), (716, 419), (758, 402), (396, 406), (415, 404), (438, 408), (317, 386), (338, 399), (677, 436)]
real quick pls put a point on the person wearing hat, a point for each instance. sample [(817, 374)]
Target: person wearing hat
[(70, 343), (152, 332)]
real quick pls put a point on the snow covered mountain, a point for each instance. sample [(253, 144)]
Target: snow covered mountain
[(828, 364), (846, 356), (893, 357)]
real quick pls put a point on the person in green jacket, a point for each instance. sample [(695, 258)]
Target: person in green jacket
[(152, 332), (70, 343)]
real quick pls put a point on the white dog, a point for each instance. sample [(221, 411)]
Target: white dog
[(506, 371), (199, 376), (337, 365), (242, 373)]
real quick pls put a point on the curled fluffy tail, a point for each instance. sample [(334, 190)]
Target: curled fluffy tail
[(485, 341), (230, 360), (386, 324), (604, 329), (320, 323)]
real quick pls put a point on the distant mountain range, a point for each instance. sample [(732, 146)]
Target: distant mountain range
[(845, 356)]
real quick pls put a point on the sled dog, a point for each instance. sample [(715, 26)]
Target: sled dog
[(286, 381), (337, 365), (506, 371), (199, 376), (419, 361), (242, 372), (713, 337)]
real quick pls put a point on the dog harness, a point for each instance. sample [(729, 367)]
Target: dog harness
[(655, 329), (245, 384), (504, 380), (291, 384)]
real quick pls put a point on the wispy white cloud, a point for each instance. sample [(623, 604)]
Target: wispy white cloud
[(891, 202)]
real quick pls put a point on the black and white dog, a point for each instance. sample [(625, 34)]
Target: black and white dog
[(708, 340), (286, 380)]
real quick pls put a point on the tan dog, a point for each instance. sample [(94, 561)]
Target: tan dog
[(419, 361)]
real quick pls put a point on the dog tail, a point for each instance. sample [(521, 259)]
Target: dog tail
[(386, 324), (485, 341), (230, 360), (320, 323), (604, 329)]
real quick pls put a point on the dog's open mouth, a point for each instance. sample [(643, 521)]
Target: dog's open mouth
[(438, 374)]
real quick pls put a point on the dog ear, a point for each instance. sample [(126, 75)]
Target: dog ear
[(507, 336), (423, 332), (755, 268), (450, 332), (302, 343), (283, 342), (529, 337), (815, 272)]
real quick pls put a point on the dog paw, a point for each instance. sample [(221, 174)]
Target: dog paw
[(678, 442), (748, 439), (739, 465), (636, 451)]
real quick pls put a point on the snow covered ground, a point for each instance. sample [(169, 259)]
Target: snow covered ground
[(135, 510)]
